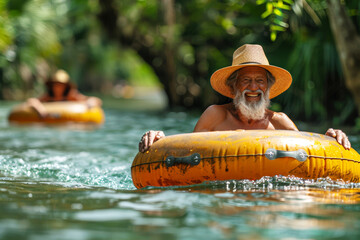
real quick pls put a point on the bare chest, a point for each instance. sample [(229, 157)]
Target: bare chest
[(233, 123)]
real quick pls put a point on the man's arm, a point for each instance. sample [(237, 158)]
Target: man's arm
[(36, 104)]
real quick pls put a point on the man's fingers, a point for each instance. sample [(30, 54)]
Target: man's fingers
[(159, 134), (347, 144), (331, 132), (149, 138), (342, 139), (143, 142), (339, 138)]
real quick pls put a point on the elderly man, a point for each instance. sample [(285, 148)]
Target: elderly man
[(251, 82)]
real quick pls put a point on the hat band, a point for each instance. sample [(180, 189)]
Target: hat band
[(250, 63)]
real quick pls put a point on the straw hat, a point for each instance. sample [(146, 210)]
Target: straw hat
[(60, 76), (246, 56)]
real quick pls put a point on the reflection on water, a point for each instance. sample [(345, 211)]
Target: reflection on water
[(58, 183)]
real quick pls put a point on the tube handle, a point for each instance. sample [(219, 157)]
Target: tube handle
[(192, 160), (273, 154)]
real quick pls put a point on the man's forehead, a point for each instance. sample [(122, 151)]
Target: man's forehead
[(252, 69)]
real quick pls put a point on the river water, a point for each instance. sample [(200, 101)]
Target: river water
[(68, 183)]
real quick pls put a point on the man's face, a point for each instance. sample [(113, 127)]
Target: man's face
[(252, 93), (58, 89), (253, 80)]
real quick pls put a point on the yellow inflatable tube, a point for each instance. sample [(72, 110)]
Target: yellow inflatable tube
[(193, 158), (58, 113)]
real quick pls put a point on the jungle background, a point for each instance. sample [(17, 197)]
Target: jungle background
[(112, 47)]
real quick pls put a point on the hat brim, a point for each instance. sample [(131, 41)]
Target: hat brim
[(283, 79), (52, 81)]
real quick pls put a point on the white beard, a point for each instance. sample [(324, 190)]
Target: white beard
[(252, 110)]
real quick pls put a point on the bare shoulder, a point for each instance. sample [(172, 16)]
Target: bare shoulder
[(217, 109), (211, 117), (281, 121), (278, 115), (215, 112)]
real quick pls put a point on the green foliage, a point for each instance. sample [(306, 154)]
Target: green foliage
[(318, 92), (276, 15), (6, 33), (210, 31), (357, 124), (15, 7), (39, 36), (28, 36)]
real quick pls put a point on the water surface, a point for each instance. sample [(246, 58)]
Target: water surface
[(66, 183)]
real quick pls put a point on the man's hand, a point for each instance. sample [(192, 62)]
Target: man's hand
[(37, 105), (340, 137), (93, 102), (149, 138)]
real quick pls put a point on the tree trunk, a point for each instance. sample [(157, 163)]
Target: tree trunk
[(170, 87), (348, 46)]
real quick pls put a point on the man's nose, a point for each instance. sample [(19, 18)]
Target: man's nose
[(253, 86)]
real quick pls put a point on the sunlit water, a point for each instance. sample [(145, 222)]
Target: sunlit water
[(63, 183)]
